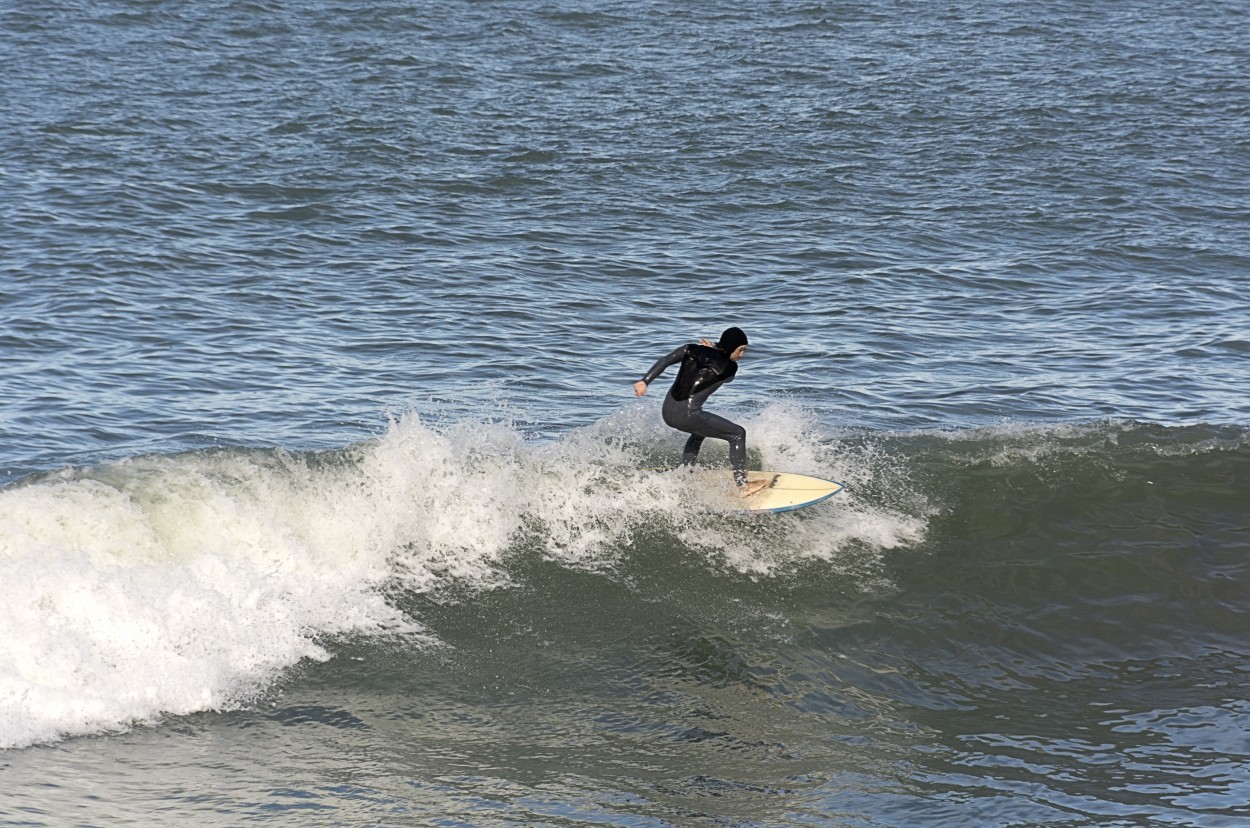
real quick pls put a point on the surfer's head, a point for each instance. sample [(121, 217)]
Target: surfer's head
[(733, 342)]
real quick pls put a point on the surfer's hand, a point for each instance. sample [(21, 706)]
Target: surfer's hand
[(640, 388), (706, 343)]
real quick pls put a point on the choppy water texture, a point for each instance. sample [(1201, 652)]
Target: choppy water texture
[(324, 495)]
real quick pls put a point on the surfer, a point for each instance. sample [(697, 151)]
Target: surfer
[(704, 369)]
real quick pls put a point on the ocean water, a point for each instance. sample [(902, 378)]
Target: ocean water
[(324, 497)]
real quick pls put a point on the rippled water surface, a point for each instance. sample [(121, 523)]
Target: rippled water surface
[(322, 487)]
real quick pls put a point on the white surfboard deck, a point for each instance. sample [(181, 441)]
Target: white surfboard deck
[(784, 493)]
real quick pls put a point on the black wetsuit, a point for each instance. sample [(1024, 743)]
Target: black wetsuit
[(703, 371)]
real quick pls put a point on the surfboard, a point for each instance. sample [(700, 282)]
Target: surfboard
[(785, 492)]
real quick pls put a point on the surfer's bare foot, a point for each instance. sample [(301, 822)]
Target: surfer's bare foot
[(752, 486)]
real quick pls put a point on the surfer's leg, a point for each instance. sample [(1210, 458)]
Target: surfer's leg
[(711, 425), (691, 452), (738, 454), (699, 424)]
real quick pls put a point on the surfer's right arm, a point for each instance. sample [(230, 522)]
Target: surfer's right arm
[(640, 387)]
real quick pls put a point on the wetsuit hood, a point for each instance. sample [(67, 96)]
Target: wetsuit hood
[(731, 340)]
